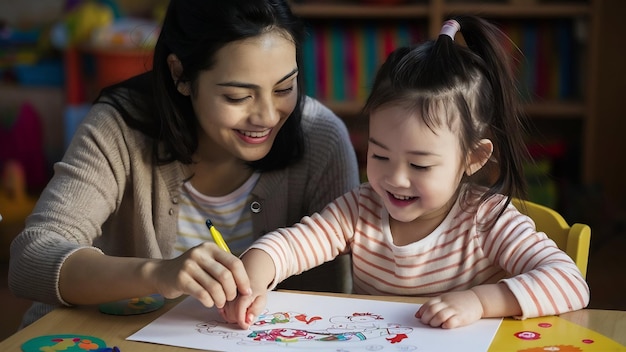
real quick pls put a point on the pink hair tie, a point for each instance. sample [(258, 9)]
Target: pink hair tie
[(449, 28)]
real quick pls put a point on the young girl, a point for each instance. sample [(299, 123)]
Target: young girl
[(444, 159)]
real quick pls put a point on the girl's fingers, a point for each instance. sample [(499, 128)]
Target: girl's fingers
[(256, 308)]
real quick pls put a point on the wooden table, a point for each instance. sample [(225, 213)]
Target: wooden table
[(115, 329)]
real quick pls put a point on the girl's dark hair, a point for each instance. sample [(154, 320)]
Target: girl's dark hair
[(476, 88), (194, 30)]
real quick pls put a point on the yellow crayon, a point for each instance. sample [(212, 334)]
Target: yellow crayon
[(217, 236)]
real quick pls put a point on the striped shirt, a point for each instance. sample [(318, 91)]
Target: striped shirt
[(457, 255), (229, 214)]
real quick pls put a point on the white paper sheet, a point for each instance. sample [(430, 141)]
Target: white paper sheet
[(304, 322)]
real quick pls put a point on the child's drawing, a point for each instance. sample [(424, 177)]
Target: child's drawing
[(289, 328), (301, 322)]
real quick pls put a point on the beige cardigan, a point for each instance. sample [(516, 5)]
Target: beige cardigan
[(108, 193)]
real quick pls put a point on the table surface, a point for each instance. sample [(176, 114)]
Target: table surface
[(115, 329)]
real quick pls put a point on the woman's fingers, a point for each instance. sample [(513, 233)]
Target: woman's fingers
[(207, 273)]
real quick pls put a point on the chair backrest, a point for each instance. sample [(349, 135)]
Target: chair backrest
[(573, 240)]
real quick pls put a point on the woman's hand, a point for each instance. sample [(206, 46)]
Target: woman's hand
[(205, 272), (451, 310)]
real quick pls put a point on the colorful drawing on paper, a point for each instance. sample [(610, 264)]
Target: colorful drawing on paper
[(302, 322), (287, 328)]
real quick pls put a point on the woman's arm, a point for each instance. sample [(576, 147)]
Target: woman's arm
[(56, 260), (205, 272)]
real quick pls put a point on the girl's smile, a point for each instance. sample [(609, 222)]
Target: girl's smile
[(401, 201)]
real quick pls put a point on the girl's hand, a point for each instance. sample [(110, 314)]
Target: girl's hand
[(451, 310), (245, 309), (205, 272)]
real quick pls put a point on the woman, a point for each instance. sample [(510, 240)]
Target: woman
[(218, 129)]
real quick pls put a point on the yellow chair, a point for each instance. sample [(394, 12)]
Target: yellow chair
[(573, 240)]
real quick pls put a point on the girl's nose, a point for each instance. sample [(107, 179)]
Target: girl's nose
[(397, 176)]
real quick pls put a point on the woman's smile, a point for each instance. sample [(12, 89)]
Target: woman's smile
[(254, 137)]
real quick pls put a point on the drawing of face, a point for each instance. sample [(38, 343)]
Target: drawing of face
[(208, 325), (211, 328), (355, 318)]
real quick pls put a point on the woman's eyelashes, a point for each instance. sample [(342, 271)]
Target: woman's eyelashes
[(241, 99), (285, 91), (236, 100)]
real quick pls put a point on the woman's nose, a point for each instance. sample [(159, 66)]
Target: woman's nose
[(265, 113)]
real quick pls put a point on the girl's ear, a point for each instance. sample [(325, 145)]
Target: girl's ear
[(479, 156), (176, 70)]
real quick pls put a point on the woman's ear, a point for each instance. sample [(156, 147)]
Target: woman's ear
[(176, 70), (479, 156)]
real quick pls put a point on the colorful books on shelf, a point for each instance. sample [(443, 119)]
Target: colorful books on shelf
[(340, 58)]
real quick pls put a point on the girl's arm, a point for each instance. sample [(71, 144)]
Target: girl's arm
[(543, 279), (261, 271)]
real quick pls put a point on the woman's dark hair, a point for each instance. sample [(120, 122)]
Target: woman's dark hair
[(476, 88), (194, 30)]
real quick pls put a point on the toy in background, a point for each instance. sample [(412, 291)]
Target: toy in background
[(21, 141), (121, 46), (23, 170), (71, 32), (15, 204), (80, 20)]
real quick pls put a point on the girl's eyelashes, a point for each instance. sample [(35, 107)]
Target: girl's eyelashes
[(414, 166), (378, 157), (419, 167)]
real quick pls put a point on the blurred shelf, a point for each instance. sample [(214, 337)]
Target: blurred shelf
[(544, 110)]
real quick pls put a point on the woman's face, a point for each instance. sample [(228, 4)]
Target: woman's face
[(243, 101)]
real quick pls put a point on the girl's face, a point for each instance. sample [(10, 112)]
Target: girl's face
[(414, 170), (244, 100)]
